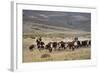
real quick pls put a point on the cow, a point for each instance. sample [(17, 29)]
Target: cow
[(49, 46), (89, 42), (77, 44), (40, 44), (84, 43), (31, 47), (62, 45), (71, 45), (54, 45)]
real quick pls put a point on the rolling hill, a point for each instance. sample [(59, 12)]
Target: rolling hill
[(53, 20)]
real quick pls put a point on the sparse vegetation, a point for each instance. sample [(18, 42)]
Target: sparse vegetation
[(44, 55)]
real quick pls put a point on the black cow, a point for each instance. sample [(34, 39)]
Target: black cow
[(31, 47), (79, 43), (40, 44), (49, 46), (84, 43), (62, 45), (89, 42), (54, 45)]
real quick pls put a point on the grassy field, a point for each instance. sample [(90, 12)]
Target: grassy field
[(44, 55), (37, 56)]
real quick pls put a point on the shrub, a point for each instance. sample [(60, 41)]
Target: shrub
[(45, 55)]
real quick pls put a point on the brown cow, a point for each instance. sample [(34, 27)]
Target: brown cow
[(71, 45)]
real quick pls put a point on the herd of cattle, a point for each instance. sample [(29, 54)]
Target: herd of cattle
[(40, 45)]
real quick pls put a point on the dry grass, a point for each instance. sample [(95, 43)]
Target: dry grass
[(35, 55), (78, 54)]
